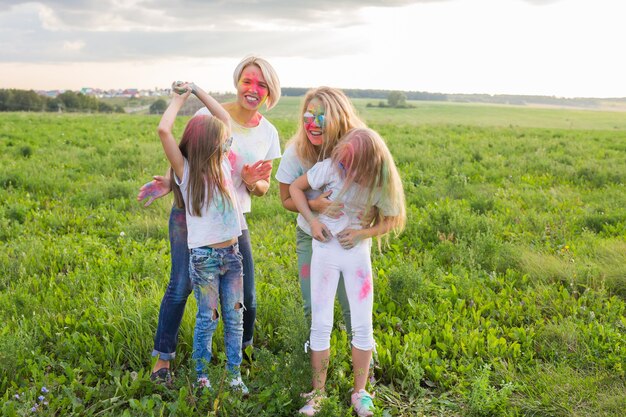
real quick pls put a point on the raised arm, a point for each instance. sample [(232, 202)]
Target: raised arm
[(213, 105), (172, 152)]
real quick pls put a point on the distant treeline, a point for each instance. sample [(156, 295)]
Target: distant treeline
[(379, 94), (471, 98), (28, 100), (523, 100)]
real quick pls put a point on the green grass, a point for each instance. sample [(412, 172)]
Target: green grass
[(505, 295), (446, 113)]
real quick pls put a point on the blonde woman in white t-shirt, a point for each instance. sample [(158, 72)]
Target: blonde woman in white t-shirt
[(326, 115)]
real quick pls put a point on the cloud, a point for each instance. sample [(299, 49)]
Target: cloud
[(124, 46), (73, 46), (114, 30), (180, 15)]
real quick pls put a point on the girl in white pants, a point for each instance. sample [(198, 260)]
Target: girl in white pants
[(360, 174)]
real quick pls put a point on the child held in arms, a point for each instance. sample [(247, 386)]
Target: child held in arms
[(361, 174)]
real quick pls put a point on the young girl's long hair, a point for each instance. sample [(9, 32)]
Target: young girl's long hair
[(339, 117), (201, 144), (365, 160)]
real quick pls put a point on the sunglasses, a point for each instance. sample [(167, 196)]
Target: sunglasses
[(226, 144), (310, 118)]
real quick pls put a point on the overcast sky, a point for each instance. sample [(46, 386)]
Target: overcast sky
[(567, 48)]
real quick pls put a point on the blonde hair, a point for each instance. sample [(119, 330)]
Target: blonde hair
[(365, 160), (271, 78), (339, 117), (201, 144)]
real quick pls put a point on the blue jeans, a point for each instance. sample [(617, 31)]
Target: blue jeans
[(180, 286), (178, 289), (217, 276), (249, 289)]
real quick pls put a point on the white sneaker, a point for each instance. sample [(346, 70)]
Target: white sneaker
[(362, 404), (313, 404), (237, 384)]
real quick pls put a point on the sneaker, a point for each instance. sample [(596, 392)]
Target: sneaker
[(162, 377), (362, 404), (202, 383), (236, 384), (313, 404)]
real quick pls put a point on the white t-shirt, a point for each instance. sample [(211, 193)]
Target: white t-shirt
[(220, 220), (289, 169), (250, 144), (325, 176)]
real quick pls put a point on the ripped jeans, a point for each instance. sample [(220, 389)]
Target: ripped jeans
[(179, 288), (217, 277)]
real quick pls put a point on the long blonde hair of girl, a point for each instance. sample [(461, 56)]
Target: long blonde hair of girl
[(365, 160), (201, 144), (339, 117)]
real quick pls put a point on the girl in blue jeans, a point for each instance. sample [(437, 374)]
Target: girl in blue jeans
[(202, 175), (255, 144)]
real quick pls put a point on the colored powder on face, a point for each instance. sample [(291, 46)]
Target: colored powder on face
[(305, 271), (314, 119), (251, 83), (366, 284)]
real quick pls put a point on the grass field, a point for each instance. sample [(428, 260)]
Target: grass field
[(505, 295), (446, 113)]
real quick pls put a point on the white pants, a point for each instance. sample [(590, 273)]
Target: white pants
[(328, 260)]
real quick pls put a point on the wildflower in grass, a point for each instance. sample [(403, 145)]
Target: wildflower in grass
[(34, 408), (44, 390), (41, 398), (16, 396)]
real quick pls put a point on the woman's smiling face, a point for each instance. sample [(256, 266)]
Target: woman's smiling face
[(313, 119), (252, 90)]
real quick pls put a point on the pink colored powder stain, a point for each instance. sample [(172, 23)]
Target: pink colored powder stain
[(319, 291), (208, 292), (366, 286), (305, 271), (232, 158)]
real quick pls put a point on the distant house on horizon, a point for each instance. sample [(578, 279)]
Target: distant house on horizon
[(130, 92)]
